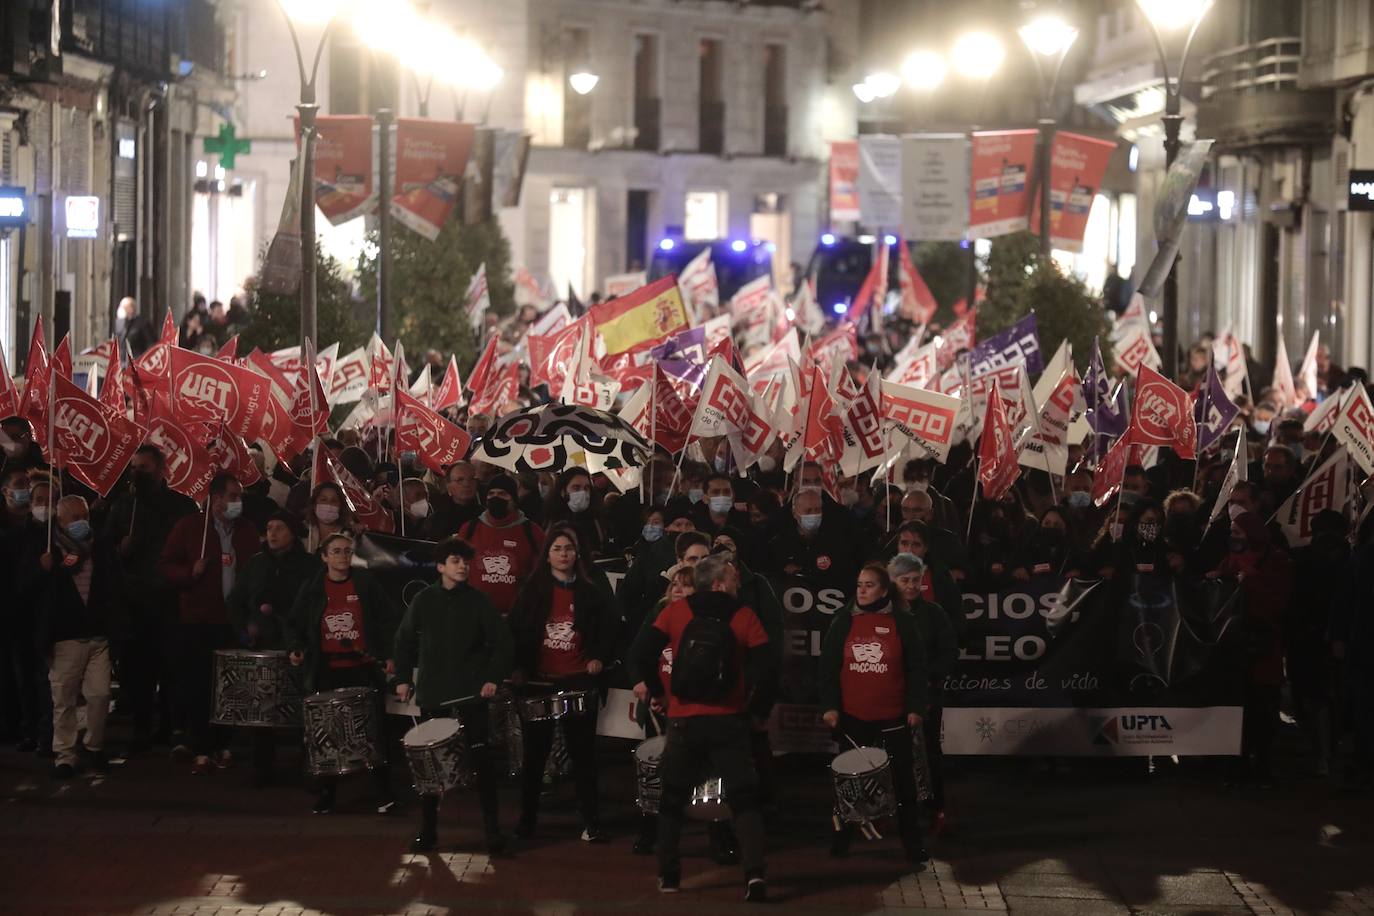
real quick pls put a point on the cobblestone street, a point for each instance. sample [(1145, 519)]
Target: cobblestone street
[(1100, 839)]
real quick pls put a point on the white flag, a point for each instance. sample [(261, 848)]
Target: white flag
[(478, 299), (1329, 488), (1283, 377), (1307, 372), (699, 288), (1354, 427), (1136, 349), (1238, 471)]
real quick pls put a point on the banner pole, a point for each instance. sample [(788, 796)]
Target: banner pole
[(973, 504), (653, 418), (205, 529), (396, 434), (1206, 398)]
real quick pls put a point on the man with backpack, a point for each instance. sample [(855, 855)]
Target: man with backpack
[(507, 545), (724, 672)]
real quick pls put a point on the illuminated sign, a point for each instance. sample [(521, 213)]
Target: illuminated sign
[(1361, 189), (14, 207), (83, 217)]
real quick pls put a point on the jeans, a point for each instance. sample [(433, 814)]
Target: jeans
[(80, 667), (894, 737), (723, 743), (476, 721)]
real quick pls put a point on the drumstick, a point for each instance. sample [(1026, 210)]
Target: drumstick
[(860, 750), (466, 699)]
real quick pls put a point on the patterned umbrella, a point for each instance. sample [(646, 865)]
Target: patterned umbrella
[(542, 439)]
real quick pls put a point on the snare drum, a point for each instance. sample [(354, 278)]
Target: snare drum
[(708, 802), (505, 738), (863, 785), (438, 755), (648, 782), (573, 703), (537, 709), (342, 731), (258, 689)]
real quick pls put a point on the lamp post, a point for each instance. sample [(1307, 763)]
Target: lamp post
[(1051, 38), (977, 56), (1170, 15), (307, 109)]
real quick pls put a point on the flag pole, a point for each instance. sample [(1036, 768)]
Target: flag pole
[(973, 504), (396, 435), (653, 418), (1206, 398)]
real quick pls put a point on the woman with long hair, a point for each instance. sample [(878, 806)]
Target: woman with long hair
[(327, 514), (565, 624), (574, 501), (874, 682)]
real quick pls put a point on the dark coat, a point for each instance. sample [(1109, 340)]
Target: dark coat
[(914, 659), (458, 641), (307, 615), (596, 618), (271, 580)]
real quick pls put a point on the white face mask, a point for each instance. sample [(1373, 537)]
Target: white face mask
[(579, 500), (720, 505), (40, 513), (233, 509), (326, 513), (767, 465), (420, 508), (849, 498), (917, 486)]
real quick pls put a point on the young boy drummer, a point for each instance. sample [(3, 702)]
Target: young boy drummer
[(463, 649)]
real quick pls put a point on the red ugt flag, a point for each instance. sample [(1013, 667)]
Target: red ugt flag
[(436, 441), (93, 442), (1163, 415), (997, 465), (362, 504), (210, 390)]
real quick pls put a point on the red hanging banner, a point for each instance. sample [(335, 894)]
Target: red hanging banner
[(343, 166), (999, 186), (430, 159), (1077, 164), (844, 181)]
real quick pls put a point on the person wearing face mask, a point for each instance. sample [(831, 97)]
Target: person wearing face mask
[(812, 547), (506, 545), (1279, 479), (24, 689), (415, 516), (1142, 549), (717, 510), (947, 549), (1002, 530), (201, 560), (260, 607), (20, 452), (77, 592), (874, 687), (1182, 533), (576, 502), (138, 524), (650, 560), (1265, 576), (1085, 517), (327, 514), (1050, 551)]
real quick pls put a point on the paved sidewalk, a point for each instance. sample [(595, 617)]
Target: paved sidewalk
[(1103, 839)]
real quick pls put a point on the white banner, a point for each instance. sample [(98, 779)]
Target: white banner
[(880, 181), (935, 187), (1206, 731)]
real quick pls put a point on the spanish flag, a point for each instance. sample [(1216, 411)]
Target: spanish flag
[(642, 318)]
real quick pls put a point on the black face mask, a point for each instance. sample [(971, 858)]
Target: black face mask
[(498, 506), (144, 482), (1053, 537)]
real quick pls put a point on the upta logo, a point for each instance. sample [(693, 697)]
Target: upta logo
[(1112, 729)]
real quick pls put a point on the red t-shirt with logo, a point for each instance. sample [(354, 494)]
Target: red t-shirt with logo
[(561, 654), (504, 558), (749, 633), (872, 676), (927, 587), (341, 628)]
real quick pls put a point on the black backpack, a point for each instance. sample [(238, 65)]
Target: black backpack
[(704, 669)]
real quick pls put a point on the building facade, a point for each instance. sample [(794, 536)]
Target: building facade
[(101, 105)]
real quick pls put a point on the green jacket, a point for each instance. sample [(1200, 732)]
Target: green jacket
[(913, 659), (274, 580), (458, 640), (307, 615), (939, 638)]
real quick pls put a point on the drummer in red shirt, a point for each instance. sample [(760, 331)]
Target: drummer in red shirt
[(565, 624), (709, 714), (873, 683), (507, 544)]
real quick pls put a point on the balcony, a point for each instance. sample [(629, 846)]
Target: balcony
[(775, 130), (1251, 97), (647, 120), (711, 128)]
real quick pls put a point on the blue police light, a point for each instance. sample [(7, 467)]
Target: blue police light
[(772, 249), (890, 240), (964, 243), (839, 308), (828, 239), (738, 246), (666, 245)]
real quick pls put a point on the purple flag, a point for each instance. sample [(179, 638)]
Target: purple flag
[(690, 346), (1020, 341), (1212, 410)]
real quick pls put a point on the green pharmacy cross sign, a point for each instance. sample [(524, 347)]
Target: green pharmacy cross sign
[(227, 145)]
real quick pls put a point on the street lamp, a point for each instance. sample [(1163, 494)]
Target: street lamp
[(1171, 15), (978, 55), (924, 70), (583, 82), (883, 83), (1048, 37), (308, 12)]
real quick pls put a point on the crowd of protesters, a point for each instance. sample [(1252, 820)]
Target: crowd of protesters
[(141, 587)]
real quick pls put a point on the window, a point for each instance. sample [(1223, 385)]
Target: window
[(568, 240), (577, 108), (775, 100), (711, 113), (705, 215), (646, 95)]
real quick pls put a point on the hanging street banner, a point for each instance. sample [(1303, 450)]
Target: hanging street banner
[(880, 181), (1077, 164), (343, 166), (999, 191), (431, 157), (935, 187), (844, 181)]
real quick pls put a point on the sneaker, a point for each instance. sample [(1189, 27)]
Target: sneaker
[(63, 772), (425, 841), (224, 760), (756, 891), (670, 882), (385, 806), (324, 803), (201, 765), (592, 834)]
